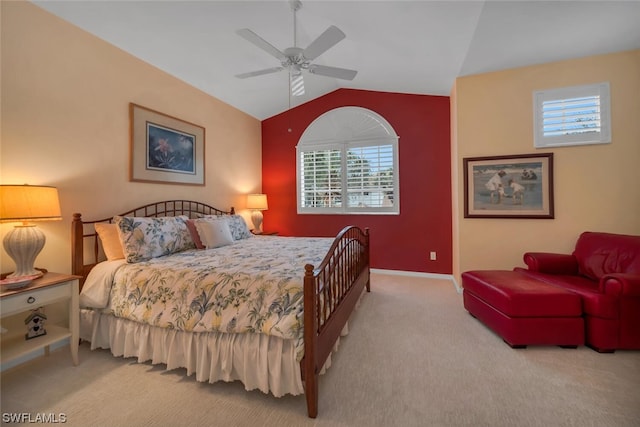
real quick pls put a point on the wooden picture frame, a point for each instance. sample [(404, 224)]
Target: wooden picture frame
[(514, 186), (165, 149)]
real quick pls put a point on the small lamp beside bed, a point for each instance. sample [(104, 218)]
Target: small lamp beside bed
[(257, 203), (25, 204)]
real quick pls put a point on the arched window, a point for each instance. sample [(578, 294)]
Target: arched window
[(347, 161)]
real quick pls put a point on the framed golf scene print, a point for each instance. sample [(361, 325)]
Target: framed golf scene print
[(165, 149), (515, 186)]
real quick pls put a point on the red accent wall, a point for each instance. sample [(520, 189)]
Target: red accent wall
[(398, 242)]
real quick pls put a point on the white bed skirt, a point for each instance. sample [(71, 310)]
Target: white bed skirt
[(259, 361)]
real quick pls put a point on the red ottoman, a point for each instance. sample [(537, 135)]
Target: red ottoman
[(524, 311)]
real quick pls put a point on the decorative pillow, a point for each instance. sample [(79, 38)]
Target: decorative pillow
[(191, 225), (146, 238), (110, 239), (237, 225), (214, 233)]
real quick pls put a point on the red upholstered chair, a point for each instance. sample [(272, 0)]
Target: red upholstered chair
[(604, 269)]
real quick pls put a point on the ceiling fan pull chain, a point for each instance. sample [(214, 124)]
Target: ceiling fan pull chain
[(289, 90), (295, 5)]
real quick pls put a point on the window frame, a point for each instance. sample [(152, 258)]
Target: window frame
[(603, 136), (338, 141)]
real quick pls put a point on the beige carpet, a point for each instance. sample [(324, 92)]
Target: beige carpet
[(414, 357)]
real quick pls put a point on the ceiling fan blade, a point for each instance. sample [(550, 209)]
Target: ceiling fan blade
[(326, 40), (338, 73), (259, 72), (252, 37), (297, 84)]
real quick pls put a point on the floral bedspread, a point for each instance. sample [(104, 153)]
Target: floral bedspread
[(254, 285)]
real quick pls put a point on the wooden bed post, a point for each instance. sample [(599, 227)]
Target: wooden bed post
[(77, 261), (366, 235), (310, 341)]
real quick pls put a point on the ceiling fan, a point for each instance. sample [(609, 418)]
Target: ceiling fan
[(295, 59)]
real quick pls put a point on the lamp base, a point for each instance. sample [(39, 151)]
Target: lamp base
[(23, 244), (256, 217)]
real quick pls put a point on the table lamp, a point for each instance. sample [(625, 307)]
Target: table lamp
[(257, 203), (25, 204)]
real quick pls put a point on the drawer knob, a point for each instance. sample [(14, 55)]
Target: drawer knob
[(31, 300)]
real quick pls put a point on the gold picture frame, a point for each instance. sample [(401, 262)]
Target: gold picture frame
[(165, 149)]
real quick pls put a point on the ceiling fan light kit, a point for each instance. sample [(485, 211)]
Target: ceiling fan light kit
[(295, 59), (297, 84)]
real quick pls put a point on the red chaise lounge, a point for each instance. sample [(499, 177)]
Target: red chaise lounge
[(604, 269), (522, 310), (531, 306)]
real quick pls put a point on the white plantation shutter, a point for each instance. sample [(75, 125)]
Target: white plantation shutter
[(572, 116), (369, 184), (321, 178), (348, 163)]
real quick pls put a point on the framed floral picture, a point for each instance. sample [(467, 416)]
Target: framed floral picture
[(165, 149), (516, 186)]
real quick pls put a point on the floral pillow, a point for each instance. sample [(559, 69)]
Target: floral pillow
[(237, 225), (146, 238)]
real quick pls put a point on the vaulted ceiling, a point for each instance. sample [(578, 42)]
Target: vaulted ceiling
[(417, 47)]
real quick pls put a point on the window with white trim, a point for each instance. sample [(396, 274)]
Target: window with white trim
[(347, 162), (575, 115)]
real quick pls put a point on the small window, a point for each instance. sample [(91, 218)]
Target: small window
[(348, 163), (576, 115)]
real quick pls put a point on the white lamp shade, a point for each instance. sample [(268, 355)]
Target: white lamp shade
[(29, 203), (257, 202)]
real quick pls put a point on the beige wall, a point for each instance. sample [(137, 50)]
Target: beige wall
[(65, 100), (595, 186)]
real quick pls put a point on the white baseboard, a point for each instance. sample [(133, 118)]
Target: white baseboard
[(419, 274)]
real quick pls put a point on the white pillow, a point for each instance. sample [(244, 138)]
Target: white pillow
[(214, 234), (237, 225)]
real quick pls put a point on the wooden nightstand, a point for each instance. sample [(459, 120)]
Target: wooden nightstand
[(49, 289)]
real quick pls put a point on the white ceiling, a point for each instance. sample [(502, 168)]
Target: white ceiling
[(415, 47)]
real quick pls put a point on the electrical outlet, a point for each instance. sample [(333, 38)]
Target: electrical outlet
[(432, 255)]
